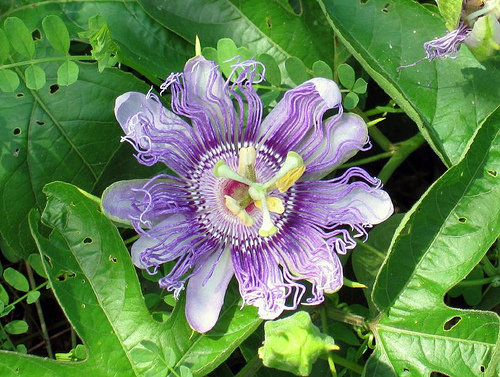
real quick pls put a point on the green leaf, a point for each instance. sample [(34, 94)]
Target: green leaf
[(273, 74), (35, 262), (16, 327), (321, 69), (346, 75), (280, 33), (57, 33), (226, 52), (351, 100), (439, 242), (16, 280), (20, 37), (4, 296), (427, 92), (296, 70), (33, 296), (4, 47), (9, 80), (35, 77), (67, 73), (450, 10), (210, 53), (360, 86), (293, 344)]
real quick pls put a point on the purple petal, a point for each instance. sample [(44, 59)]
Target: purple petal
[(156, 133), (210, 106), (206, 290), (362, 204), (296, 121), (342, 139), (118, 199), (155, 239)]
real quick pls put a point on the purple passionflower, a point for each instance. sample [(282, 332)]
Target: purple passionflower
[(246, 199)]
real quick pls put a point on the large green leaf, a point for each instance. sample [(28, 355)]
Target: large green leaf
[(439, 242), (260, 25), (94, 280), (447, 99)]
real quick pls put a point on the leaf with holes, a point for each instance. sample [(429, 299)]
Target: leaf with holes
[(439, 242), (91, 273), (448, 99), (281, 33)]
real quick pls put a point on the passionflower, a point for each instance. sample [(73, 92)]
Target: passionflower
[(245, 199)]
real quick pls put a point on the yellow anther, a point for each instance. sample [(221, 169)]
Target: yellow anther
[(283, 184), (274, 204), (239, 212), (246, 162)]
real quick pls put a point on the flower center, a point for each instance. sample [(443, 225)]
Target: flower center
[(244, 191)]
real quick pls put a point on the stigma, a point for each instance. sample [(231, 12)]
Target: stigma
[(257, 193)]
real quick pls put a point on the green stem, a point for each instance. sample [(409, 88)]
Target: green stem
[(367, 160), (26, 295), (43, 325), (131, 239), (473, 283), (349, 318), (375, 134), (324, 326), (378, 137), (347, 364), (269, 87), (488, 267), (251, 367), (403, 150), (47, 60)]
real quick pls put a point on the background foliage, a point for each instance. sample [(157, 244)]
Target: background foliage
[(58, 81)]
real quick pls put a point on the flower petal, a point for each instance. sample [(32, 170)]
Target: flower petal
[(361, 204), (210, 106), (206, 290), (342, 139), (155, 241), (118, 198), (156, 133), (296, 121)]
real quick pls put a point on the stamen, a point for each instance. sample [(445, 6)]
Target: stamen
[(238, 211), (221, 170), (293, 160), (274, 204), (290, 178), (246, 163)]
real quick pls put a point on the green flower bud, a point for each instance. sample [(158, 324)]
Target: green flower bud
[(293, 344)]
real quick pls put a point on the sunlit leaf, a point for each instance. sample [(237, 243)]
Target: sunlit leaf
[(67, 73), (9, 80), (4, 47), (35, 77), (19, 36), (296, 70), (56, 32)]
